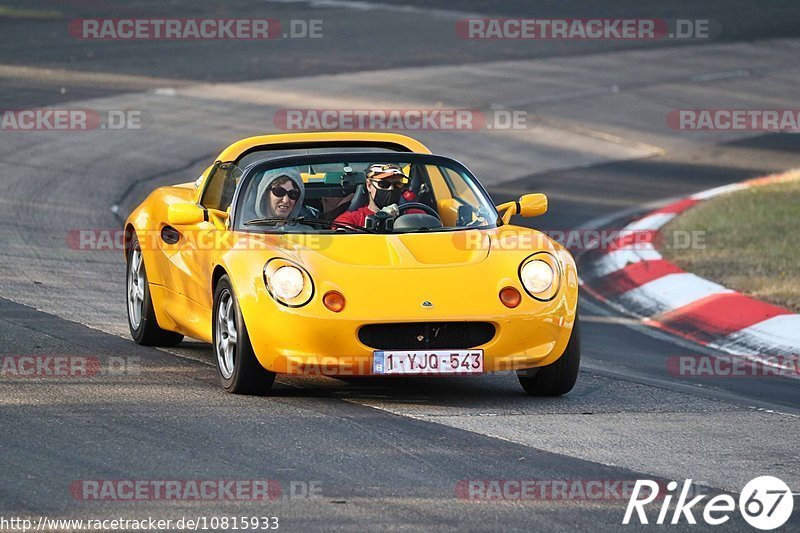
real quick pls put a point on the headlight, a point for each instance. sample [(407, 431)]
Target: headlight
[(288, 283), (537, 276), (540, 274)]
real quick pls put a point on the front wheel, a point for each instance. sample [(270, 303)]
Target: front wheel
[(558, 377), (238, 369), (141, 316)]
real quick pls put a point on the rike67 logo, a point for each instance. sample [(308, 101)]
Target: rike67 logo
[(765, 503)]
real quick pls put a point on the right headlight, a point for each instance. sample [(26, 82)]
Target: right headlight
[(288, 283), (540, 274)]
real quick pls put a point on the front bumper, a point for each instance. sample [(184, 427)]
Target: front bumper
[(313, 340)]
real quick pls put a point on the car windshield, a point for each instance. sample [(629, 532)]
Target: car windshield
[(361, 193)]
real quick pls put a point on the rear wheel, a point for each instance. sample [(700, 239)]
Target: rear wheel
[(141, 316), (558, 377), (238, 369)]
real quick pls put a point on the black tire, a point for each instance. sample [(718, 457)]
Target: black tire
[(558, 377), (147, 332), (245, 375)]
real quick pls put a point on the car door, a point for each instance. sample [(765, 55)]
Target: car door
[(199, 244)]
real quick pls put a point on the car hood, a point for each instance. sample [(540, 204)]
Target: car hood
[(422, 267), (501, 247), (416, 250)]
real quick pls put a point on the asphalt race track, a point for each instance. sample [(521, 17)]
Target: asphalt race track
[(370, 454)]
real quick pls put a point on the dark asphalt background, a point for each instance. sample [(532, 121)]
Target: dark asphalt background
[(378, 470), (354, 40)]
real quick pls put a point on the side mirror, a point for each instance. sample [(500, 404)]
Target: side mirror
[(533, 205), (185, 214), (529, 205)]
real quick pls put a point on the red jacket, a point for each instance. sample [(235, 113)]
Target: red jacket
[(359, 216)]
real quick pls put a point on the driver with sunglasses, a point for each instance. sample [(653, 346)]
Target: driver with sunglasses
[(385, 186)]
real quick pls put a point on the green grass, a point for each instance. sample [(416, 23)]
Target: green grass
[(751, 241)]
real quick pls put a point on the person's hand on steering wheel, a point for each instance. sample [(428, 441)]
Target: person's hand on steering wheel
[(392, 210)]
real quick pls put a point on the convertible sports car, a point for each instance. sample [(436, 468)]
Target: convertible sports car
[(266, 257)]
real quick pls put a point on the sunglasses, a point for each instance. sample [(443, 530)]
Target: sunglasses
[(280, 192), (388, 184)]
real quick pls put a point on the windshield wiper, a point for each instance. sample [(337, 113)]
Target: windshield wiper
[(307, 220)]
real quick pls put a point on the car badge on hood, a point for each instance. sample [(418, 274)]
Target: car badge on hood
[(426, 304)]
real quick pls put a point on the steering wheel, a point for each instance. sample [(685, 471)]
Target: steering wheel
[(417, 205)]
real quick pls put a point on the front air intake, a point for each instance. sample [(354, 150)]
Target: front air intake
[(426, 335)]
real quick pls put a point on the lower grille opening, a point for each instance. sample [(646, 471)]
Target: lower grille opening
[(426, 335)]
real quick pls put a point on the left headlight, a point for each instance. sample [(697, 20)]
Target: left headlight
[(540, 275), (288, 283)]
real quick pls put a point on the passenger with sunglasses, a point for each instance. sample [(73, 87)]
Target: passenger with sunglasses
[(385, 185), (281, 193)]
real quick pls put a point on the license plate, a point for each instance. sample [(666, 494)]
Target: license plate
[(428, 362)]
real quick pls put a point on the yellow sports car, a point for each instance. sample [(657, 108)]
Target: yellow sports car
[(351, 254)]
